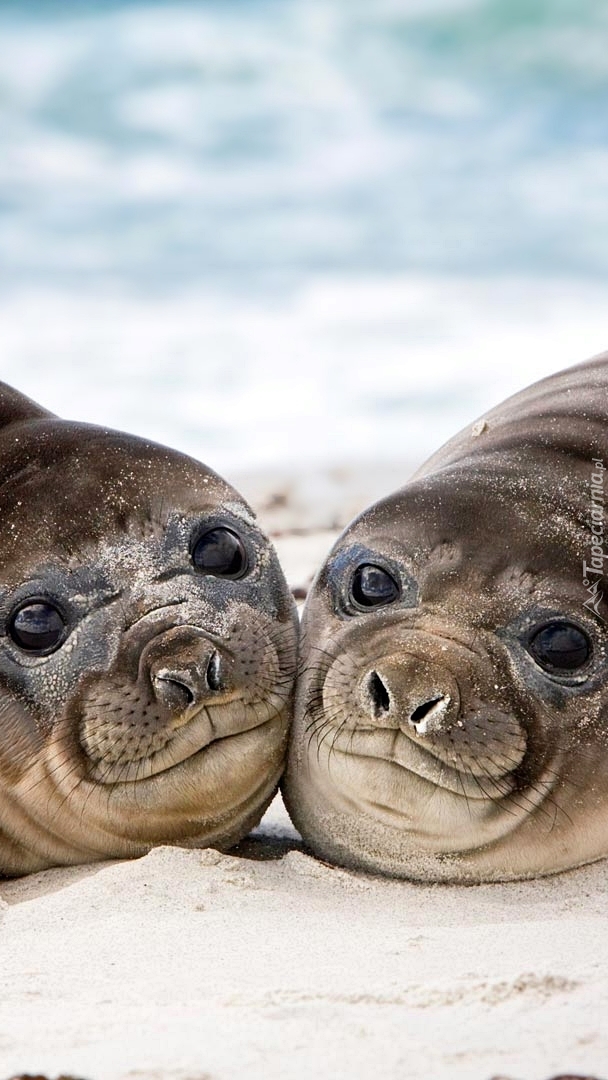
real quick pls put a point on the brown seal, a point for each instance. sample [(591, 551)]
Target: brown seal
[(451, 716), (147, 647)]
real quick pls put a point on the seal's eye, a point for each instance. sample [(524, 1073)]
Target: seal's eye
[(37, 627), (560, 646), (220, 552), (372, 586)]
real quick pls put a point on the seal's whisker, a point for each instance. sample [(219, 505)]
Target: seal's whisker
[(319, 734), (493, 797), (46, 771), (337, 733)]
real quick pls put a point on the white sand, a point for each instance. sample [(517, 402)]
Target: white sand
[(199, 966)]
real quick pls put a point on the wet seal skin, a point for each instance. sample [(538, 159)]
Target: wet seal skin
[(451, 719), (147, 648)]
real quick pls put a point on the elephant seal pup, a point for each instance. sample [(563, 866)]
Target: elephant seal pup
[(452, 709), (147, 647)]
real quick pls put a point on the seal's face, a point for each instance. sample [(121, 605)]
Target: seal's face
[(452, 709), (147, 651)]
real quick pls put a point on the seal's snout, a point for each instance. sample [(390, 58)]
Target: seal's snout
[(415, 694), (186, 669)]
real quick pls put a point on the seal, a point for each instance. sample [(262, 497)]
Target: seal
[(147, 647), (451, 718)]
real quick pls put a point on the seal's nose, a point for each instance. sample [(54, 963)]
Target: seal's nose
[(185, 669), (411, 692), (189, 683)]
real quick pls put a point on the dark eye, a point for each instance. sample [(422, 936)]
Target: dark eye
[(372, 586), (560, 646), (220, 552), (37, 627)]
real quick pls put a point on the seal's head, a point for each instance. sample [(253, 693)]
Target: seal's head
[(147, 647), (452, 709)]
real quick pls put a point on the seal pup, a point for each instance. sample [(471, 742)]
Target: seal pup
[(451, 719), (147, 647)]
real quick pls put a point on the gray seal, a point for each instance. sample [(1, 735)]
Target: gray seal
[(147, 647), (451, 719)]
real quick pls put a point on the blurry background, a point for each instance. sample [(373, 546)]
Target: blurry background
[(300, 236)]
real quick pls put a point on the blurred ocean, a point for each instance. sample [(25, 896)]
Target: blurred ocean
[(299, 232)]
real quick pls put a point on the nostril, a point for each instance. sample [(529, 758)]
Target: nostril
[(187, 692), (422, 711), (380, 697), (172, 690), (213, 674)]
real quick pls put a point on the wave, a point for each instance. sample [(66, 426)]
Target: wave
[(254, 144)]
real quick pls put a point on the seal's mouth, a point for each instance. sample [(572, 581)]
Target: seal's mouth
[(176, 691), (465, 780), (431, 796), (423, 706), (449, 771), (137, 755)]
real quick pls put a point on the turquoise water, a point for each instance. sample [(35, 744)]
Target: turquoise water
[(230, 167), (263, 141)]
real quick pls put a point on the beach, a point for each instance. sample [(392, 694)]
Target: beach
[(267, 963)]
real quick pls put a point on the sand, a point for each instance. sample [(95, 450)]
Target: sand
[(186, 965)]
